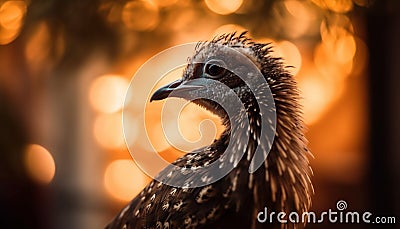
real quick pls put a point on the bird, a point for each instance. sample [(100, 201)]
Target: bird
[(282, 184)]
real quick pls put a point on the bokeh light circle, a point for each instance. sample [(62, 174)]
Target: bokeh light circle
[(223, 7), (39, 163), (123, 179)]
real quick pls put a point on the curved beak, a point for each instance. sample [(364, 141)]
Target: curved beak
[(179, 88)]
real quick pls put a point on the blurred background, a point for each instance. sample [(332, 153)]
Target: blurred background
[(65, 67)]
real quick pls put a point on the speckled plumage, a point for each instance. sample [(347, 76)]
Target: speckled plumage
[(282, 184)]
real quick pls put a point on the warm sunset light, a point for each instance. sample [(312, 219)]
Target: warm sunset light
[(140, 15), (11, 14), (339, 40), (290, 54), (318, 93), (165, 3), (155, 133), (37, 50), (328, 65), (334, 56), (131, 128), (39, 163), (193, 128), (228, 28), (299, 9), (11, 18), (302, 17), (108, 131), (316, 97), (107, 93), (223, 6), (123, 179), (341, 6)]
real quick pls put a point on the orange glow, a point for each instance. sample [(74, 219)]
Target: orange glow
[(182, 25), (11, 14), (266, 40), (361, 57), (171, 154), (193, 116), (223, 7), (154, 127), (337, 25), (182, 20), (156, 135), (39, 163), (339, 38), (107, 93), (319, 93), (316, 97), (11, 18), (228, 28), (37, 49), (290, 54), (339, 6), (339, 41), (333, 58), (131, 129), (193, 129), (345, 49), (302, 17), (326, 62), (335, 55), (320, 3), (7, 36), (298, 10), (140, 15), (165, 3), (124, 180), (108, 131)]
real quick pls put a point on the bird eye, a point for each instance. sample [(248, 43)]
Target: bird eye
[(215, 68)]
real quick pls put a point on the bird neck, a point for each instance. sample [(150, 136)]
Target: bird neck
[(284, 179), (243, 129)]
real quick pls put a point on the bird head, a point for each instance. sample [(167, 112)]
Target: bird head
[(228, 63)]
